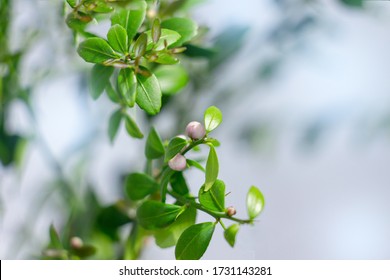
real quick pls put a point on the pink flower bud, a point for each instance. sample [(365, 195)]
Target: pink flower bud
[(231, 211), (195, 130), (76, 242), (178, 163)]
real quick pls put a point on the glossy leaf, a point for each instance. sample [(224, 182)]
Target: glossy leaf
[(154, 214), (100, 76), (140, 45), (184, 26), (156, 30), (127, 86), (169, 236), (194, 241), (114, 124), (214, 199), (171, 78), (96, 50), (179, 184), (212, 168), (99, 6), (174, 147), (166, 58), (139, 185), (254, 202), (168, 36), (154, 147), (132, 127), (131, 20), (195, 164), (117, 38), (212, 118), (71, 3), (230, 234), (148, 94)]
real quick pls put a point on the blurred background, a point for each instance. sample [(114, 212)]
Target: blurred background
[(305, 93)]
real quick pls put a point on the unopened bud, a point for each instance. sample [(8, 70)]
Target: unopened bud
[(178, 163), (231, 211), (195, 130), (76, 242)]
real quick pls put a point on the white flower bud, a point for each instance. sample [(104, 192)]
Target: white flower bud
[(195, 130), (76, 242), (231, 211), (178, 163)]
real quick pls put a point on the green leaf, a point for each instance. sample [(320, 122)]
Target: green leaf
[(132, 127), (100, 6), (71, 3), (139, 185), (148, 94), (176, 144), (112, 94), (127, 86), (166, 58), (131, 20), (117, 37), (179, 184), (154, 147), (154, 214), (168, 36), (140, 45), (110, 218), (353, 3), (96, 50), (172, 79), (169, 236), (230, 234), (194, 241), (55, 242), (214, 199), (184, 26), (195, 164), (254, 202), (85, 251), (100, 76), (113, 124), (156, 30), (212, 168), (212, 118)]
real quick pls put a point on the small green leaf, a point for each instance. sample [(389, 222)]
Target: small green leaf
[(139, 185), (127, 86), (212, 118), (254, 202), (154, 214), (212, 168), (111, 218), (96, 50), (195, 164), (194, 241), (213, 142), (117, 37), (140, 45), (113, 124), (85, 251), (184, 26), (132, 127), (156, 30), (167, 37), (112, 94), (172, 79), (168, 236), (71, 3), (176, 144), (154, 147), (131, 20), (230, 234), (100, 6), (166, 58), (179, 184), (55, 242), (214, 199), (100, 76), (148, 94)]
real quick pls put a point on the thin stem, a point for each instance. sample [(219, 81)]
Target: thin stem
[(215, 214)]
